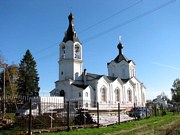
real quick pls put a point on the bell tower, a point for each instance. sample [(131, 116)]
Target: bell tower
[(70, 57)]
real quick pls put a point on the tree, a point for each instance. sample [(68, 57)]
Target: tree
[(28, 76), (176, 90), (1, 59), (1, 81), (11, 76)]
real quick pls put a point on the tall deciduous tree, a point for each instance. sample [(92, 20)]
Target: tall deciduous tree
[(11, 76), (176, 90), (28, 76)]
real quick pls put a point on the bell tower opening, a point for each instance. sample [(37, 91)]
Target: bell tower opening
[(77, 51), (63, 51)]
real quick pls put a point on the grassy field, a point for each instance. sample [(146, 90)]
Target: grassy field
[(161, 125)]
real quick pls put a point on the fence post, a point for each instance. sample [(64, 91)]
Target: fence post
[(97, 114), (118, 113), (155, 113), (134, 111), (68, 121), (30, 105), (146, 107)]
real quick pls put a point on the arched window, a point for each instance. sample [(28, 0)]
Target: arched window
[(62, 93), (129, 94), (63, 51), (77, 51), (117, 94), (86, 94), (103, 93), (86, 104)]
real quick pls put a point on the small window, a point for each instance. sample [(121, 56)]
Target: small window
[(61, 73), (86, 104), (86, 94), (62, 93), (79, 94)]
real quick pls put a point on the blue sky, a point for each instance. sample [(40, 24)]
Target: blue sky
[(149, 29)]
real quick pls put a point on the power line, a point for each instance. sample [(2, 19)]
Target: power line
[(48, 55), (130, 20), (117, 26), (97, 23), (52, 45), (105, 19)]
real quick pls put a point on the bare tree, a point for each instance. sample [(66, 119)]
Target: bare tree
[(1, 59)]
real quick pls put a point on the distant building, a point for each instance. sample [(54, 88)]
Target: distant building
[(161, 100), (86, 89)]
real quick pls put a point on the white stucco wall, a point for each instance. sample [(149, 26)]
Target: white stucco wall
[(70, 67), (77, 70), (132, 69), (65, 70), (116, 85)]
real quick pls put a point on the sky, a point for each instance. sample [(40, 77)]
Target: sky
[(149, 31)]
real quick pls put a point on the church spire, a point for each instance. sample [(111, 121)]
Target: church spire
[(71, 33)]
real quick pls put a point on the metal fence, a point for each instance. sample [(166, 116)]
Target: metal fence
[(21, 114)]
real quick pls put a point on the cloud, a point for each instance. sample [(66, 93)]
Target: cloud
[(167, 66)]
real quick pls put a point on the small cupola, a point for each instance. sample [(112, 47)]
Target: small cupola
[(120, 47), (120, 56)]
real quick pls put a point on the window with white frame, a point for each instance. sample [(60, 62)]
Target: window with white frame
[(103, 93), (129, 94), (117, 94)]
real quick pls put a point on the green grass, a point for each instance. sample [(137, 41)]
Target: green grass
[(154, 125)]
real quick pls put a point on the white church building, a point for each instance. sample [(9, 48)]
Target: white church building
[(86, 89)]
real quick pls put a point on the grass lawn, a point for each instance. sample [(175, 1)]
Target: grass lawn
[(161, 125)]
